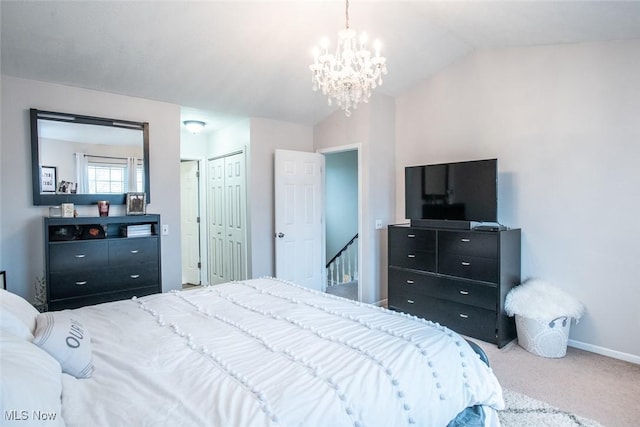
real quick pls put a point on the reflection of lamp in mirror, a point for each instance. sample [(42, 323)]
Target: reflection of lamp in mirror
[(194, 126)]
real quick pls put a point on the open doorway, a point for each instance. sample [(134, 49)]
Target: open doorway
[(342, 223)]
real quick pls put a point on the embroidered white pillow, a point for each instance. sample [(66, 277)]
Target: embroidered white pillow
[(17, 316), (64, 337)]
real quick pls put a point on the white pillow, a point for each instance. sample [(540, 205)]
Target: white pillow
[(62, 335), (30, 385), (17, 316)]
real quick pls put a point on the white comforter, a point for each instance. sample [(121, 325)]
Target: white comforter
[(267, 353)]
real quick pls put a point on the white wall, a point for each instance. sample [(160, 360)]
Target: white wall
[(563, 122), (371, 126), (21, 229), (230, 139), (267, 136)]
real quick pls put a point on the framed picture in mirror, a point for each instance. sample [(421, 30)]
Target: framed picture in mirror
[(48, 182)]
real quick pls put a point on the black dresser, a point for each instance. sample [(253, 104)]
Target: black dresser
[(458, 278), (90, 260)]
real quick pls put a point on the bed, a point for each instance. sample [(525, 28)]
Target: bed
[(260, 352)]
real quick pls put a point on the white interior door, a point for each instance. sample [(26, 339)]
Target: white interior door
[(190, 221), (215, 197), (299, 226), (235, 210), (227, 218)]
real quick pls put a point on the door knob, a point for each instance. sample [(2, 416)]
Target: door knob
[(280, 235)]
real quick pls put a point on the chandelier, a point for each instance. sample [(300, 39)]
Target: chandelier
[(350, 74)]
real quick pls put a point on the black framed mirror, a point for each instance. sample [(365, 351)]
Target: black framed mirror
[(83, 159)]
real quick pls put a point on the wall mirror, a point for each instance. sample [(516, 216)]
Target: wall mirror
[(82, 159)]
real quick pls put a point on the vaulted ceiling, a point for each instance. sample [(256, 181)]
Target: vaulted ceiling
[(251, 58)]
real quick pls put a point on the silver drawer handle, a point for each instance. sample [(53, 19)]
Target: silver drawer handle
[(135, 251), (410, 301), (134, 276), (411, 236), (80, 256), (464, 316), (411, 256), (81, 283), (465, 263), (464, 292), (465, 240), (410, 282)]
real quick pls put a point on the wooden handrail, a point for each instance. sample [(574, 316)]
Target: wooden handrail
[(342, 250)]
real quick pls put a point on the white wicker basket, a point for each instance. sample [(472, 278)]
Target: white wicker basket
[(544, 338)]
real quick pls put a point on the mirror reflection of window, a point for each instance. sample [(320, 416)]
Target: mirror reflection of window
[(109, 175)]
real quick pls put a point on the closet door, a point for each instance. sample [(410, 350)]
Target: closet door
[(216, 228), (235, 210), (227, 218)]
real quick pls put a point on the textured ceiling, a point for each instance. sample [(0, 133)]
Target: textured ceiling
[(250, 59)]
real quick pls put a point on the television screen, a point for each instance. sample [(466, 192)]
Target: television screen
[(464, 191)]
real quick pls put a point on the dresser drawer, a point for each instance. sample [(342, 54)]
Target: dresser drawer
[(462, 318), (409, 258), (84, 300), (465, 320), (134, 276), (78, 283), (412, 239), (468, 243), (133, 250), (469, 267), (461, 291), (78, 255)]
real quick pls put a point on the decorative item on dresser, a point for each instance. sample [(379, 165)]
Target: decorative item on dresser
[(459, 278), (136, 203), (89, 260)]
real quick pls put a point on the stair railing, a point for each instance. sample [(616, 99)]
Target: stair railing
[(343, 267)]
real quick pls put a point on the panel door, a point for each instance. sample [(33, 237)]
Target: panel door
[(299, 225), (216, 225), (227, 219), (190, 225), (235, 214)]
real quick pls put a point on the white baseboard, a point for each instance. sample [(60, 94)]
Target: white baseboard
[(605, 351)]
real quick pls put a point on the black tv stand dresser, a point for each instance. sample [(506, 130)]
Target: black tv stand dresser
[(458, 278)]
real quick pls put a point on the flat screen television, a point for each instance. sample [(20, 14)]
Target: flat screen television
[(460, 191)]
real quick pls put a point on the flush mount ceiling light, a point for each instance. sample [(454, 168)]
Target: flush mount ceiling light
[(350, 74), (194, 126)]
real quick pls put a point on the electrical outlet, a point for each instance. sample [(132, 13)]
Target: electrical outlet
[(378, 224), (165, 229)]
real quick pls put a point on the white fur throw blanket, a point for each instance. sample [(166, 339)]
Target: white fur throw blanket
[(537, 299)]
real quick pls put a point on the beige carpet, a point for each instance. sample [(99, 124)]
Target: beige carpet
[(586, 384)]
